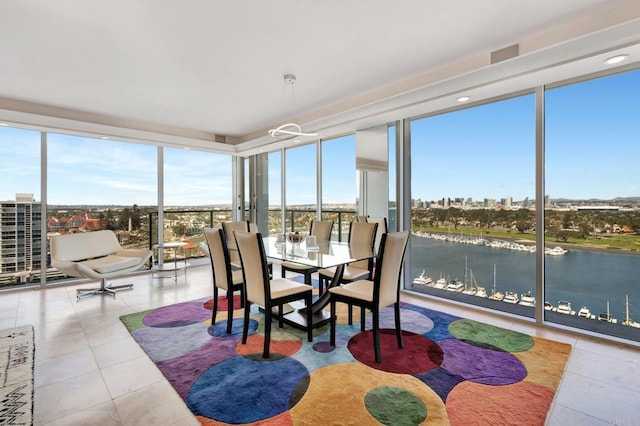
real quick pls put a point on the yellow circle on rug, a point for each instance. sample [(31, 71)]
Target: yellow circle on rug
[(335, 387)]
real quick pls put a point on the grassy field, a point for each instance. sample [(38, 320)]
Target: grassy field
[(618, 242)]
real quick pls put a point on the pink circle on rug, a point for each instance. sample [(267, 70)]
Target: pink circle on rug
[(223, 303), (418, 355)]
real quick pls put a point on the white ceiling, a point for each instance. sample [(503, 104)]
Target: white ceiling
[(197, 71)]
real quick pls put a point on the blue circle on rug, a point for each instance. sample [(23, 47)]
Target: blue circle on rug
[(242, 390)]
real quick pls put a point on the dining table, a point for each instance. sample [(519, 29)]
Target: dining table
[(323, 254)]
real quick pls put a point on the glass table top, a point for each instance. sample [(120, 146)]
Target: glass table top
[(324, 255)]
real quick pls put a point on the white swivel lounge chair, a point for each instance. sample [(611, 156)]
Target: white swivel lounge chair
[(96, 255)]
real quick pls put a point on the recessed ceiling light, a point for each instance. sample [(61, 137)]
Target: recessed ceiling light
[(463, 99), (4, 124), (616, 59), (104, 137)]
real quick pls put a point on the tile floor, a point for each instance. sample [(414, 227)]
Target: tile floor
[(89, 371)]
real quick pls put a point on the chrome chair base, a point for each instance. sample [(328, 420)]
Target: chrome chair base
[(103, 289)]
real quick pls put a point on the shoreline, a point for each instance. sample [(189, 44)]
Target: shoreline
[(566, 246)]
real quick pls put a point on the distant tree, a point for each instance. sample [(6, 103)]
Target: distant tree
[(585, 230), (567, 220), (136, 217)]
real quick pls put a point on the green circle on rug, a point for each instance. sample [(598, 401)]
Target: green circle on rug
[(397, 406), (485, 335)]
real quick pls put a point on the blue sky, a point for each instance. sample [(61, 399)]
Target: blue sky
[(592, 150)]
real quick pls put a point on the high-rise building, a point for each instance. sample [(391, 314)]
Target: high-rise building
[(20, 225)]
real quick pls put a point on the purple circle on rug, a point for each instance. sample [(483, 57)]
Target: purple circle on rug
[(177, 315), (480, 365), (242, 390), (323, 347)]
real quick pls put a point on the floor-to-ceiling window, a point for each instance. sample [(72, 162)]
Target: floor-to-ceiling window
[(339, 184), (20, 207), (95, 184), (301, 184), (592, 204), (393, 210), (275, 191), (197, 193), (473, 207)]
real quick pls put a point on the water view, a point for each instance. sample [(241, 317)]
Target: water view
[(581, 277)]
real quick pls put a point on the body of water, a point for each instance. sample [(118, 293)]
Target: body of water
[(581, 277)]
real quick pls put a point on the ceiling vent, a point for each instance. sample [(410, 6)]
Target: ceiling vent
[(505, 53)]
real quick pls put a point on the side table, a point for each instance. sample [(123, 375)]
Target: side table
[(158, 266)]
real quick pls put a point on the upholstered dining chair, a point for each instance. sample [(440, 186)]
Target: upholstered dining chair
[(266, 292), (360, 233), (383, 228), (229, 229), (322, 231), (224, 276), (374, 295)]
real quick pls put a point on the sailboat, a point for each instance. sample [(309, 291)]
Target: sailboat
[(495, 295), (606, 317), (629, 321), (473, 287)]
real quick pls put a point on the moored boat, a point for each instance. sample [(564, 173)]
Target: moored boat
[(511, 297), (564, 307), (440, 283), (455, 285), (472, 288), (606, 316), (628, 321), (495, 295), (423, 279), (527, 299), (584, 312)]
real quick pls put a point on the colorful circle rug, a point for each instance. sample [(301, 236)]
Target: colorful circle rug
[(450, 371)]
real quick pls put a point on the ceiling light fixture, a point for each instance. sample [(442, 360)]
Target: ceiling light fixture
[(464, 98), (290, 129), (616, 59)]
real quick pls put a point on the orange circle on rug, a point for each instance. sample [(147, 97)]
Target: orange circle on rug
[(528, 403), (281, 343)]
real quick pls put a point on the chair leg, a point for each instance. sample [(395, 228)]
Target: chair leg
[(307, 278), (398, 326), (283, 271), (332, 338), (308, 300), (245, 325), (350, 314), (376, 335), (267, 331), (214, 309), (280, 315), (229, 310), (362, 311)]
